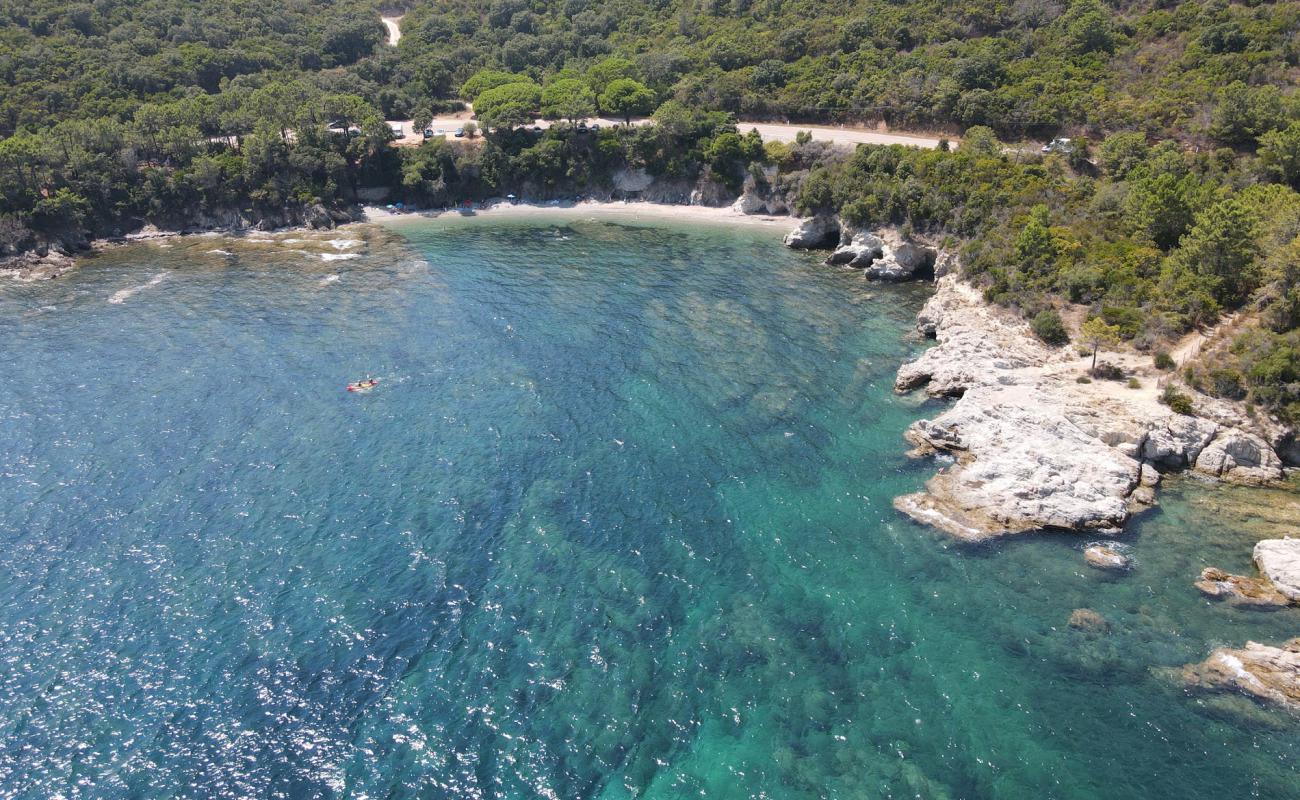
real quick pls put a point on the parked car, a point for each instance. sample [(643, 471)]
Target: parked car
[(595, 127), (1058, 145), (460, 133), (396, 128), (428, 133)]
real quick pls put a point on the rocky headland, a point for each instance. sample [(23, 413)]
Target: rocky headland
[(1035, 447), (1035, 442)]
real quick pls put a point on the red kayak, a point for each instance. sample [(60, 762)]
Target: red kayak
[(363, 386)]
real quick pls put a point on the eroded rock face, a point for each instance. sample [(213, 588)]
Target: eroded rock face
[(1240, 456), (822, 230), (900, 259), (1270, 674), (882, 255), (1240, 590), (1034, 448), (862, 249), (1178, 441), (632, 180), (1278, 561)]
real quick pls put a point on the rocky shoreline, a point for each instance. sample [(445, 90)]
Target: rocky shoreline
[(1033, 443), (52, 259), (1037, 445)]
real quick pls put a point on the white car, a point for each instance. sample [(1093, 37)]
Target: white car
[(1058, 145)]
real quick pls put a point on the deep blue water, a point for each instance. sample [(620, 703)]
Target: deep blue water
[(616, 523)]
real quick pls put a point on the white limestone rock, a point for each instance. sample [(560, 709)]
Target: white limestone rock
[(1278, 560), (977, 344), (1019, 469), (946, 262), (1241, 457), (1033, 447), (1178, 441), (861, 249), (822, 230), (900, 261)]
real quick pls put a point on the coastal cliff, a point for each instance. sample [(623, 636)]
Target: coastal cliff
[(1037, 445)]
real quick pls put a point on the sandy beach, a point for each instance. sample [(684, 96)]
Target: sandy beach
[(632, 212)]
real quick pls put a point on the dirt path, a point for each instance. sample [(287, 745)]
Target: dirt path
[(394, 32), (1189, 346), (771, 132)]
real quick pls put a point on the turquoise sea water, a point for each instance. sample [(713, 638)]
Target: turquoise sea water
[(616, 523)]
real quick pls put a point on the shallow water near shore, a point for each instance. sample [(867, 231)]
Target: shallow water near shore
[(615, 523)]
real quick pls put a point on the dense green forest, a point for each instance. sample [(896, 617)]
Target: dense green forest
[(1177, 204)]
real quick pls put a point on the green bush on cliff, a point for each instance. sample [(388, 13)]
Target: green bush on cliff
[(1178, 402), (1047, 325)]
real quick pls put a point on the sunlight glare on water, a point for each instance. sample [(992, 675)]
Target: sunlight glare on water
[(615, 523)]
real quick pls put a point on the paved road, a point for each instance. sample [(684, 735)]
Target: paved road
[(771, 132)]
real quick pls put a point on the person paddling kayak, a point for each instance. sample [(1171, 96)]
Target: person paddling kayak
[(363, 386)]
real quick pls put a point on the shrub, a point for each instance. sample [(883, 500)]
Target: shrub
[(1047, 325), (1083, 379), (1226, 382), (1177, 401), (1163, 360), (1134, 383), (1108, 372)]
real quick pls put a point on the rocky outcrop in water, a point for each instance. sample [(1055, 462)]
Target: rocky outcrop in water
[(860, 250), (1278, 584), (32, 266), (1035, 448), (812, 233), (1105, 557), (1239, 590), (1270, 674), (882, 254)]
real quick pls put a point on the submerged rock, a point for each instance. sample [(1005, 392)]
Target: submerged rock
[(1085, 619), (1103, 557), (1270, 674), (1278, 561)]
